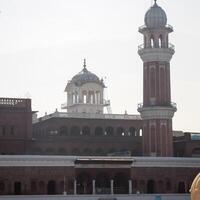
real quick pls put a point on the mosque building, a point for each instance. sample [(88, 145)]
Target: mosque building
[(87, 151)]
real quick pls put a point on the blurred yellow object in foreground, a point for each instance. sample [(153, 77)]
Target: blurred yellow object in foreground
[(195, 188)]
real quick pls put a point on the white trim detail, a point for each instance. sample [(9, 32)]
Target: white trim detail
[(156, 54), (67, 161), (157, 112)]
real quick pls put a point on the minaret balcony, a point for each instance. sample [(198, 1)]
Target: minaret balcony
[(170, 46), (150, 54), (142, 29), (163, 111), (171, 104), (104, 103)]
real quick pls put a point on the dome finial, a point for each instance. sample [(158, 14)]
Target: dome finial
[(84, 63)]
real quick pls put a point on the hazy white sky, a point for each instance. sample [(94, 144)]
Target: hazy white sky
[(43, 43)]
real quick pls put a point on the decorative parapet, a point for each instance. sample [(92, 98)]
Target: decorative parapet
[(89, 116), (144, 28), (16, 103), (158, 111), (170, 46)]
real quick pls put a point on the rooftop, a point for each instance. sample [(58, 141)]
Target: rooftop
[(37, 160), (88, 116)]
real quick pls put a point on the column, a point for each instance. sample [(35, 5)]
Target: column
[(111, 187), (64, 187), (75, 187), (130, 186), (93, 187)]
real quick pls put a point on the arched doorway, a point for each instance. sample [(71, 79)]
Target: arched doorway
[(102, 183), (51, 187), (181, 187), (120, 183), (98, 131), (151, 186), (17, 188), (86, 130), (84, 183), (196, 153)]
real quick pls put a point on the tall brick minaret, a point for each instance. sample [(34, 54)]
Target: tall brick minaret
[(157, 109)]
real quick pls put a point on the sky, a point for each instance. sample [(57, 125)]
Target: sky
[(43, 44)]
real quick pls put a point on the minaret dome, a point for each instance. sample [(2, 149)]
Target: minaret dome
[(155, 17)]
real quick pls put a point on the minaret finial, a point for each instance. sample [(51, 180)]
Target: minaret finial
[(84, 63), (155, 1)]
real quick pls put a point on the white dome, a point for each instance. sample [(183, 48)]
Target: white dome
[(86, 76), (155, 17)]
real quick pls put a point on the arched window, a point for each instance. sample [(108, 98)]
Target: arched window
[(152, 41), (196, 152), (75, 131), (163, 138), (120, 183), (62, 151), (168, 185), (141, 188), (161, 187), (87, 152), (51, 187), (109, 131), (84, 96), (49, 151), (153, 139), (84, 183), (102, 183), (132, 131), (111, 151), (63, 130), (61, 187), (120, 131), (41, 187), (86, 130), (152, 83), (2, 186), (91, 97), (181, 187), (17, 188), (160, 41), (76, 152), (2, 130), (99, 152), (33, 187), (37, 151), (76, 97), (73, 98), (151, 186), (140, 132), (99, 131), (12, 130)]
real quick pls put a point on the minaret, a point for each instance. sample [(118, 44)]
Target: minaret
[(157, 109)]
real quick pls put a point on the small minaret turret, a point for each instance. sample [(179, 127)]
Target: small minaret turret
[(157, 110), (85, 93)]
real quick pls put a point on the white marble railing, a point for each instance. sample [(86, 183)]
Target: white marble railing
[(12, 102), (100, 197), (88, 116)]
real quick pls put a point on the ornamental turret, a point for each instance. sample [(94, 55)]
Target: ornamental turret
[(85, 93), (157, 110)]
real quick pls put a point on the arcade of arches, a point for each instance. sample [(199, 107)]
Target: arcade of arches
[(85, 184)]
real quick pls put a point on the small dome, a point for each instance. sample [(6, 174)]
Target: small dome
[(86, 76), (155, 17)]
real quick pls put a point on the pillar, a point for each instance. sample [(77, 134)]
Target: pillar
[(130, 186), (111, 187), (75, 187), (93, 187)]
